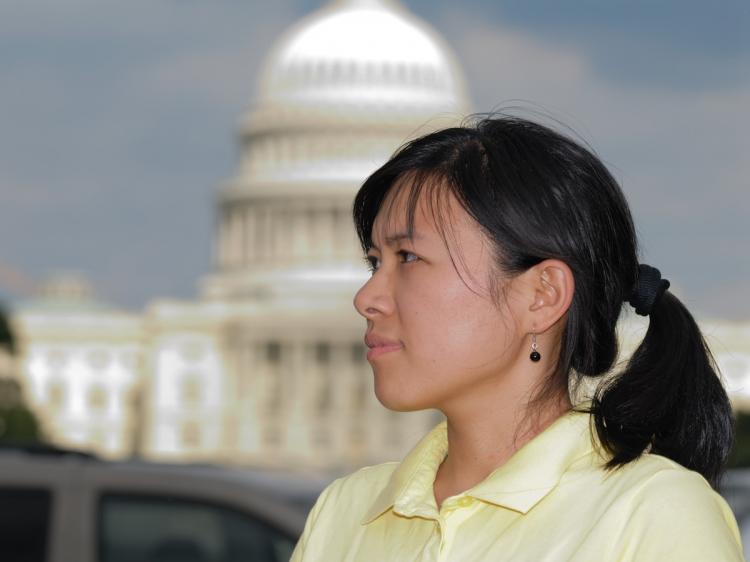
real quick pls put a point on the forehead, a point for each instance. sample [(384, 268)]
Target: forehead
[(415, 205)]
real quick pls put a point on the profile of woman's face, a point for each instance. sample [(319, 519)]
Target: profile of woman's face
[(436, 336)]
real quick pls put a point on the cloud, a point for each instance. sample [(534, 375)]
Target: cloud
[(118, 120), (658, 43), (680, 154), (117, 126)]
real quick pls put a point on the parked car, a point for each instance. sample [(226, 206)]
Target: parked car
[(60, 506), (63, 506)]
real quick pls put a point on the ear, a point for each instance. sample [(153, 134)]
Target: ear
[(550, 289)]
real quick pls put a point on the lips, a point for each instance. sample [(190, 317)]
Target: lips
[(380, 346)]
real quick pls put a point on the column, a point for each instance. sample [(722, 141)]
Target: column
[(236, 237), (282, 251), (296, 374), (250, 234), (299, 233), (220, 242), (265, 232), (340, 420)]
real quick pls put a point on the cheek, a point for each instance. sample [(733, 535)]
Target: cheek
[(453, 327)]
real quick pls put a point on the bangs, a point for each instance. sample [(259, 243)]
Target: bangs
[(398, 197), (427, 171), (393, 194)]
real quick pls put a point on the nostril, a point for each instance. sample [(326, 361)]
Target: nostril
[(360, 306)]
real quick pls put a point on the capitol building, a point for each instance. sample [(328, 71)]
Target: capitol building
[(267, 366)]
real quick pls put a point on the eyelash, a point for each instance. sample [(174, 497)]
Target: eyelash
[(404, 254)]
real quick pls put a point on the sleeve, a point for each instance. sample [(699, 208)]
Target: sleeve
[(300, 553), (677, 516)]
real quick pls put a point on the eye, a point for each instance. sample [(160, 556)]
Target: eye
[(372, 263), (407, 257)]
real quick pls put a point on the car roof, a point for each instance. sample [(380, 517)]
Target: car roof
[(282, 497)]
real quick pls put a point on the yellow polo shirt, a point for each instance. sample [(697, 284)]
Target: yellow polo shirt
[(551, 501)]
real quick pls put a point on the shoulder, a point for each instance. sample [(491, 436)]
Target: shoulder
[(654, 484), (338, 509), (658, 481), (359, 487), (666, 509), (354, 492)]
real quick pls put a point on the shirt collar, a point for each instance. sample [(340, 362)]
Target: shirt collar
[(519, 484)]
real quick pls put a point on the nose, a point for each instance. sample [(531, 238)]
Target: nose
[(374, 298)]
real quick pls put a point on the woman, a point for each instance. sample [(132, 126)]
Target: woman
[(501, 256)]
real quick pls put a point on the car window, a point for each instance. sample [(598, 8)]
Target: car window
[(160, 529), (24, 524)]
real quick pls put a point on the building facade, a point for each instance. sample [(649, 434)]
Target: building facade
[(267, 367)]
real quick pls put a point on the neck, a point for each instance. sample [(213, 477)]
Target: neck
[(484, 437)]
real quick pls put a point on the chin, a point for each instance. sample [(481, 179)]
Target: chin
[(396, 400), (398, 407)]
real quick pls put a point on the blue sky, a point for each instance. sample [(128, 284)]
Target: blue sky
[(117, 122)]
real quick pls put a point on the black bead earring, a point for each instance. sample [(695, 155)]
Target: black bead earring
[(535, 355)]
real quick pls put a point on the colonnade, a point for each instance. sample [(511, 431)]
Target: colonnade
[(273, 232), (313, 403)]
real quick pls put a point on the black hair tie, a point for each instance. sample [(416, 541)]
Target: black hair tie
[(648, 290)]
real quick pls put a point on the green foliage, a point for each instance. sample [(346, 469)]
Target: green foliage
[(18, 425), (6, 334), (740, 455)]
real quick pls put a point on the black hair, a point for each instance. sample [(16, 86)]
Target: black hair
[(538, 194)]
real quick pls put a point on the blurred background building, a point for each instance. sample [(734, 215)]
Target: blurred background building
[(267, 367)]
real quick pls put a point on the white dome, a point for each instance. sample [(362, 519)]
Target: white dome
[(355, 55), (340, 91)]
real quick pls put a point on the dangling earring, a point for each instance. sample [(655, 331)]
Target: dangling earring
[(535, 355)]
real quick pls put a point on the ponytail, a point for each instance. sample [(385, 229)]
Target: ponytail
[(668, 398)]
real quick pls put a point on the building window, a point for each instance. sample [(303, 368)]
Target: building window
[(271, 436), (132, 398), (358, 353), (97, 398), (274, 396), (323, 353), (55, 394), (191, 436), (190, 392), (325, 394), (273, 352)]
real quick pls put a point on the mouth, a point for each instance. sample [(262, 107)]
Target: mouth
[(382, 350), (379, 346)]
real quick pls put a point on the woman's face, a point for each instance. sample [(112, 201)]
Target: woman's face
[(435, 334)]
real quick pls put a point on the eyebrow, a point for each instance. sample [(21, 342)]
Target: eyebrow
[(394, 239)]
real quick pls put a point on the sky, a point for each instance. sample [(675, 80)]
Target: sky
[(118, 122)]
